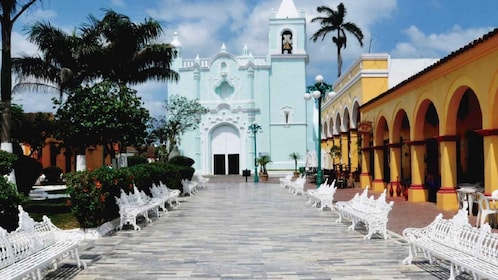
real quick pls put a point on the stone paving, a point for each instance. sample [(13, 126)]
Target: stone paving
[(239, 230)]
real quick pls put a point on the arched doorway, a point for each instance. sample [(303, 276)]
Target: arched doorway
[(225, 147), (470, 149)]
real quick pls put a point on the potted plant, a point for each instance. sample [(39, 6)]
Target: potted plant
[(335, 152), (263, 161), (295, 156)]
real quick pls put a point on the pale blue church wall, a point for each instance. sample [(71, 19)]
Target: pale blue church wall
[(289, 114)]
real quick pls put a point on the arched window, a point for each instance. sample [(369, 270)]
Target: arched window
[(287, 42)]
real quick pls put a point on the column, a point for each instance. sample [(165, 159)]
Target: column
[(416, 192), (378, 184), (355, 150), (446, 196), (344, 150), (490, 141), (395, 166), (365, 179)]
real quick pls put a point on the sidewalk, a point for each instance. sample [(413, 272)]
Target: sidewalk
[(239, 230)]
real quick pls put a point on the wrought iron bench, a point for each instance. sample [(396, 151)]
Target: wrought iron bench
[(33, 247), (297, 186), (466, 248), (372, 213), (323, 196), (285, 181), (165, 195), (134, 205), (189, 187)]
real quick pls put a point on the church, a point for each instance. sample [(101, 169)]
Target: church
[(240, 90)]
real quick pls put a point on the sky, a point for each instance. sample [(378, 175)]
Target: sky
[(401, 28)]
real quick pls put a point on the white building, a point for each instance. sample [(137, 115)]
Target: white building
[(241, 89)]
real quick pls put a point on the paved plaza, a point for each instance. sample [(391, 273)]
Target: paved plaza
[(239, 230)]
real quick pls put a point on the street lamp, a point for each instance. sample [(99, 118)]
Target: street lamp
[(254, 128), (318, 91)]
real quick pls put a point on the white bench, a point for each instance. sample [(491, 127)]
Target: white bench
[(189, 187), (371, 212), (286, 180), (323, 196), (33, 247), (165, 195), (467, 248), (201, 181), (297, 186), (134, 205)]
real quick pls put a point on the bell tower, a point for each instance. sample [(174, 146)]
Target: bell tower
[(289, 114)]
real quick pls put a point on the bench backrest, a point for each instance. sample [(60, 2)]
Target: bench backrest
[(488, 249)]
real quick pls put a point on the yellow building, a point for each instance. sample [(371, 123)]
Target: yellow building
[(436, 129), (366, 78)]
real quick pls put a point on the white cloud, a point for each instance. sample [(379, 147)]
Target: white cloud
[(420, 44)]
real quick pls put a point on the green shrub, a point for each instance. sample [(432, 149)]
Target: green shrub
[(27, 171), (181, 161), (7, 161), (93, 192), (136, 160), (9, 200)]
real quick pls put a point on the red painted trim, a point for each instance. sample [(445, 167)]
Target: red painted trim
[(487, 132), (417, 186), (365, 174), (378, 181), (447, 190), (394, 145), (446, 138), (378, 147), (415, 143)]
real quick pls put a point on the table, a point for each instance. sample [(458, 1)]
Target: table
[(469, 190)]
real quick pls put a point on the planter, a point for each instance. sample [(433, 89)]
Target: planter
[(263, 177), (296, 174)]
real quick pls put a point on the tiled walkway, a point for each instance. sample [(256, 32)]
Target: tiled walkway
[(238, 230)]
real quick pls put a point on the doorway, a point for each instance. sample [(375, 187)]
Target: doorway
[(225, 146)]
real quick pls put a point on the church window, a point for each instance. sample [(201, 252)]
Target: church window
[(287, 42), (286, 112)]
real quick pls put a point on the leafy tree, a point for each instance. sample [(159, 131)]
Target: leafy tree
[(104, 113), (11, 10), (182, 115), (32, 128), (333, 21), (113, 48)]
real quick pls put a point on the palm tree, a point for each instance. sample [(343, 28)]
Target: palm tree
[(62, 65), (333, 21), (295, 156), (129, 53), (11, 10), (114, 49)]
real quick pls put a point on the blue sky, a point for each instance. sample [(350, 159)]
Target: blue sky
[(402, 28)]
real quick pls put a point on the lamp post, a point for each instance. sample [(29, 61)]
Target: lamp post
[(318, 91), (254, 128)]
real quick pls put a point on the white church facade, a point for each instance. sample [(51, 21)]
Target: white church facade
[(242, 89)]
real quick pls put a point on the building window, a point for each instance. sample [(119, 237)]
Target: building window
[(287, 42), (286, 113)]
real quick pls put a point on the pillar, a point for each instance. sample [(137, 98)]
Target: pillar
[(490, 141), (355, 150), (416, 192), (365, 179), (446, 196), (378, 184), (344, 150), (395, 166)]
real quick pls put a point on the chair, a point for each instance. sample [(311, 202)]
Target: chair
[(462, 198), (484, 209)]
